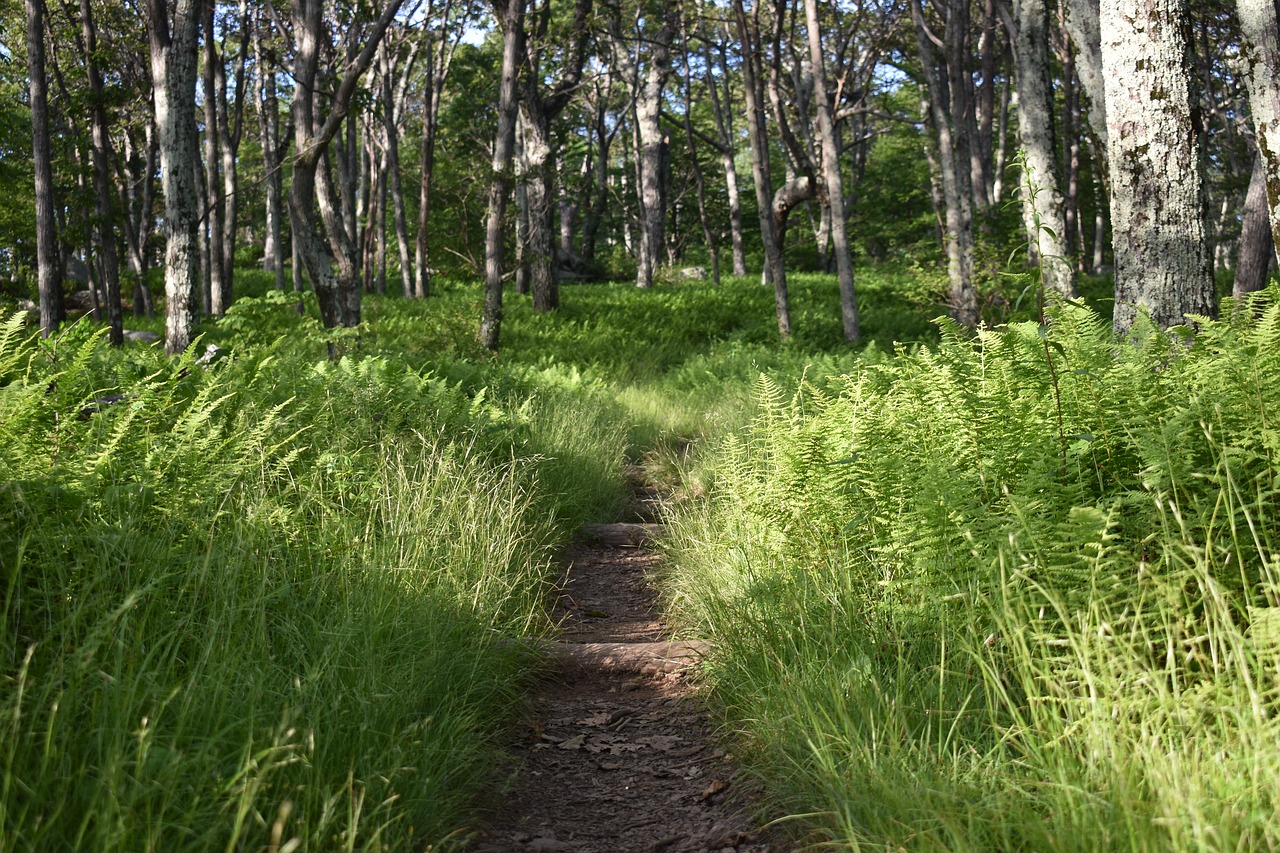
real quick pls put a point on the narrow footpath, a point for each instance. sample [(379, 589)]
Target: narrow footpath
[(618, 754)]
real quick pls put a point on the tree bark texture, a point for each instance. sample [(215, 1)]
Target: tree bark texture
[(48, 256), (1260, 58), (1084, 28), (1157, 180), (173, 51), (1257, 247)]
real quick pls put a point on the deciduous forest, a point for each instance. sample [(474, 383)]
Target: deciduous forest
[(942, 336)]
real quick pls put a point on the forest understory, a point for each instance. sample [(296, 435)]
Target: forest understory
[(1005, 589)]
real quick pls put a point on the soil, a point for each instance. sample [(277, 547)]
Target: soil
[(618, 753)]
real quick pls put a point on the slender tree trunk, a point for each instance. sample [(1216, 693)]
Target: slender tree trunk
[(338, 294), (219, 297), (652, 142), (1260, 56), (1257, 248), (775, 270), (391, 129), (230, 130), (724, 126), (104, 217), (173, 73), (832, 180), (708, 236), (1157, 180), (953, 161), (269, 130), (511, 16), (1040, 184), (48, 257)]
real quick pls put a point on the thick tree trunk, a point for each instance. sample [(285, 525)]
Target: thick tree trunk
[(1157, 179), (1260, 56), (1040, 184), (173, 73), (831, 178), (775, 269), (1257, 247), (511, 16), (48, 256)]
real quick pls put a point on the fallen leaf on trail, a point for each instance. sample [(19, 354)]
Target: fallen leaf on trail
[(716, 786), (662, 743), (575, 742), (600, 719)]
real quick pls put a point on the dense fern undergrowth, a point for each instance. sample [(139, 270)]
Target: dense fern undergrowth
[(1007, 591), (1018, 591)]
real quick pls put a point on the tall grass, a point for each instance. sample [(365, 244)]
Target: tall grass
[(1018, 592), (262, 604)]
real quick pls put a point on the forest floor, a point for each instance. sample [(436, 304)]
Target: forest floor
[(618, 753)]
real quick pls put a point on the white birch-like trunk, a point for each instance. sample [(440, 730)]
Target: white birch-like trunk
[(1040, 186), (1157, 181), (173, 52), (831, 178)]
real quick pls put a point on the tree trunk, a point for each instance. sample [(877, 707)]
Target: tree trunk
[(652, 141), (511, 17), (1085, 30), (173, 73), (135, 187), (1040, 183), (1157, 179), (1257, 248), (48, 257), (831, 179), (724, 127), (338, 294), (539, 222), (775, 270), (219, 295), (708, 236), (269, 130), (105, 239), (230, 129), (1260, 56), (954, 168)]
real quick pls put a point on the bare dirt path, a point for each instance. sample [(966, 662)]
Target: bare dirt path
[(618, 754)]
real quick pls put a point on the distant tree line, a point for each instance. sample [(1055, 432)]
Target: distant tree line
[(576, 138)]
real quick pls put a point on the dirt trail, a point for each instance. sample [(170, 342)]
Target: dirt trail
[(618, 754)]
